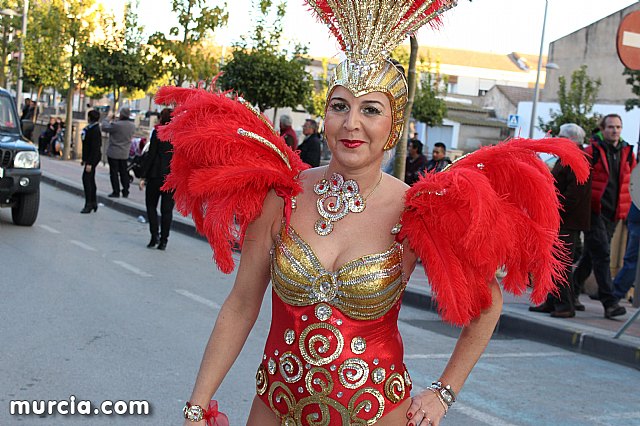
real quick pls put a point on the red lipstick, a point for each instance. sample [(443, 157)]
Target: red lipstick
[(351, 144)]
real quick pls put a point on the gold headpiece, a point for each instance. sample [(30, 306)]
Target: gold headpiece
[(367, 31)]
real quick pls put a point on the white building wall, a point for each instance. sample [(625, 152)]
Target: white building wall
[(630, 119)]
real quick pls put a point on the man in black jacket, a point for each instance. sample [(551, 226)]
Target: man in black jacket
[(310, 147), (155, 168), (91, 154), (439, 159), (575, 216)]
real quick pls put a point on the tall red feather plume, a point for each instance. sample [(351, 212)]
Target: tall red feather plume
[(219, 176), (497, 206)]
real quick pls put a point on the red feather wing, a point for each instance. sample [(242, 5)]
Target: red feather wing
[(226, 157), (497, 206)]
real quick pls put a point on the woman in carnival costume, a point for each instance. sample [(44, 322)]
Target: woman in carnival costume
[(339, 243)]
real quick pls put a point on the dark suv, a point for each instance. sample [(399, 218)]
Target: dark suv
[(19, 166)]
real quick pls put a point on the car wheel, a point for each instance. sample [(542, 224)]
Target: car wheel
[(25, 212)]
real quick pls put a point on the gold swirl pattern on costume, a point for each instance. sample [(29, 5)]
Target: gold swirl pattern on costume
[(366, 405), (290, 367), (365, 288), (262, 380), (279, 393), (314, 349), (353, 373), (324, 384), (394, 388)]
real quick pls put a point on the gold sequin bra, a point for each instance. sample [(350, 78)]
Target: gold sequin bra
[(364, 288)]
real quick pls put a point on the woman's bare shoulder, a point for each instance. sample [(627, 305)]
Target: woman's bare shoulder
[(394, 187)]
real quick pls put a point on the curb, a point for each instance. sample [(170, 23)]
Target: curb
[(122, 206), (513, 325), (509, 324)]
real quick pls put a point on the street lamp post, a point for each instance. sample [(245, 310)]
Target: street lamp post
[(536, 88)]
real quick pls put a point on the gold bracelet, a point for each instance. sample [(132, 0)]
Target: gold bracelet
[(444, 404)]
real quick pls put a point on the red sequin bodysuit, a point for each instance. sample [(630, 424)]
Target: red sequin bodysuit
[(334, 353)]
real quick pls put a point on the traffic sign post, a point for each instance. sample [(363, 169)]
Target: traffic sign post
[(628, 43), (513, 122)]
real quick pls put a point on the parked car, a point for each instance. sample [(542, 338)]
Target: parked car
[(19, 166)]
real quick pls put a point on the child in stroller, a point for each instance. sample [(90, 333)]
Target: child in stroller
[(139, 148)]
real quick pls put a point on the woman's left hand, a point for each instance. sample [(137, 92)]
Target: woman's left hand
[(426, 409), (141, 184)]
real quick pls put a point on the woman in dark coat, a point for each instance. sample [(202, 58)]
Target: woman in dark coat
[(91, 154), (155, 168)]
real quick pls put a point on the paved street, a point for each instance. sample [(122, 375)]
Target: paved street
[(87, 310)]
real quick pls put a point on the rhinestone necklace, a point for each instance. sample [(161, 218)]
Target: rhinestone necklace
[(337, 199)]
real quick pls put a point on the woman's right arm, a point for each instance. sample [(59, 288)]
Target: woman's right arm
[(240, 311)]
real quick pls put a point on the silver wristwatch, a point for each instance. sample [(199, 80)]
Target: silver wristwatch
[(447, 394), (193, 413)]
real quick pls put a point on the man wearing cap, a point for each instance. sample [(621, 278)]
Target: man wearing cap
[(120, 133)]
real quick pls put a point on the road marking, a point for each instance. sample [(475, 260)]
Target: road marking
[(482, 416), (631, 39), (199, 299), (50, 229), (82, 245), (606, 419), (132, 268), (502, 355)]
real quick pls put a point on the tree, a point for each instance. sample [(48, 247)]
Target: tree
[(429, 107), (633, 80), (10, 25), (41, 67), (120, 62), (316, 103), (265, 74), (576, 103), (399, 163), (76, 26), (187, 60)]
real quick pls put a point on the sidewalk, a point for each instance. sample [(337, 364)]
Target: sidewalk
[(588, 333)]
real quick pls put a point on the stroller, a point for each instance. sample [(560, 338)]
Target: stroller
[(137, 152)]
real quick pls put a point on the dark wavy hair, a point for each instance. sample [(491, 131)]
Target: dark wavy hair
[(165, 116)]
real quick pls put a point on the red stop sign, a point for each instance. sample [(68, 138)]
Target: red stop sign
[(629, 41)]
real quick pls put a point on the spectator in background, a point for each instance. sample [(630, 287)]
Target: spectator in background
[(575, 216), (91, 155), (626, 276), (27, 118), (414, 138), (47, 136), (155, 168), (612, 161), (310, 147), (27, 110), (439, 159), (120, 133), (287, 132), (416, 162)]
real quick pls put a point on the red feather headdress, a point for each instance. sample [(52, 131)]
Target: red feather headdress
[(367, 31)]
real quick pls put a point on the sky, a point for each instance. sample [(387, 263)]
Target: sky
[(496, 26)]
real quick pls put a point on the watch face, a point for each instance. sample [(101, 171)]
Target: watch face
[(446, 395)]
